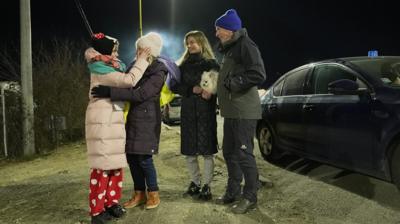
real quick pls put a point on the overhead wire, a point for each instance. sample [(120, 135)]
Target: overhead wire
[(85, 20)]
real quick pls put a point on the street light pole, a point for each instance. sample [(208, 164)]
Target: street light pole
[(140, 19), (28, 134)]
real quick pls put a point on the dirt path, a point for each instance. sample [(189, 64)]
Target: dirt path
[(53, 189)]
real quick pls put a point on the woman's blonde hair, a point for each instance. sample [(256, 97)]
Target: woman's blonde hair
[(201, 39)]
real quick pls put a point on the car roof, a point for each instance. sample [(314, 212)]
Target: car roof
[(360, 58), (342, 61)]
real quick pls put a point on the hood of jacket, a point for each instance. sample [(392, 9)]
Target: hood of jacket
[(155, 67), (152, 69)]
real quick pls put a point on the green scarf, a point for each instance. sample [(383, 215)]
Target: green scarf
[(102, 68)]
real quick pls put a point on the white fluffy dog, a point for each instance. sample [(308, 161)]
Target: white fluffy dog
[(209, 81)]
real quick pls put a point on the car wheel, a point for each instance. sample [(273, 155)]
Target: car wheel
[(395, 166), (266, 143)]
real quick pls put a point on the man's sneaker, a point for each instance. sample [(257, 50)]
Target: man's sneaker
[(116, 211), (192, 190), (243, 206), (205, 193), (101, 218), (225, 199), (264, 182)]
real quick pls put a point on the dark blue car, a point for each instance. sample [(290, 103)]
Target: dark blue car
[(344, 112)]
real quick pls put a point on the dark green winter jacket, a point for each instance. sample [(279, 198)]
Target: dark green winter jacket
[(241, 72)]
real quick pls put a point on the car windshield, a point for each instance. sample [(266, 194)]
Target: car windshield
[(387, 69)]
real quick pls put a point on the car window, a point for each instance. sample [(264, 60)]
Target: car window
[(294, 83), (390, 73), (386, 69), (278, 88), (325, 74), (361, 84)]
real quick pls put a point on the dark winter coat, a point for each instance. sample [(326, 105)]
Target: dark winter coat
[(198, 116), (241, 72), (143, 125)]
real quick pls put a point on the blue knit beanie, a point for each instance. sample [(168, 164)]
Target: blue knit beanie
[(230, 21)]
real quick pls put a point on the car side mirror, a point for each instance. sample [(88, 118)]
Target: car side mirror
[(345, 87)]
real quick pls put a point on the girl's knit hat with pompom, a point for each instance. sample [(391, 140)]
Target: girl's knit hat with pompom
[(103, 44)]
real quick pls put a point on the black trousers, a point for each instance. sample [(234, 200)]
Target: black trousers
[(237, 149)]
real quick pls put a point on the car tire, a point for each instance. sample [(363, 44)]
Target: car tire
[(266, 143), (395, 166)]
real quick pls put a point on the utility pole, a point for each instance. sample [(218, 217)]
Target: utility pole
[(28, 134), (3, 104)]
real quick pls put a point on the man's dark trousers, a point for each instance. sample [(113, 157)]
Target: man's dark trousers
[(238, 148)]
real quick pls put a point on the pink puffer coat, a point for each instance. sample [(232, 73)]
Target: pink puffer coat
[(105, 126)]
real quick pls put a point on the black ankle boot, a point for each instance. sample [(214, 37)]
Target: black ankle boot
[(192, 190), (116, 211), (205, 193), (102, 218)]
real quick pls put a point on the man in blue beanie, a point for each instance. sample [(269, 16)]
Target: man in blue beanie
[(241, 72)]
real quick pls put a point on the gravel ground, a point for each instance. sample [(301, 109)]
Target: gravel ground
[(53, 189)]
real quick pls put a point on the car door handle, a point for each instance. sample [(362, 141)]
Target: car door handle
[(308, 107), (272, 107)]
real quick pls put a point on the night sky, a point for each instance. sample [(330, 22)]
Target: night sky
[(289, 33)]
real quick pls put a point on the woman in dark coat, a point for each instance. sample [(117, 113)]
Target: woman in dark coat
[(198, 112), (143, 125)]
